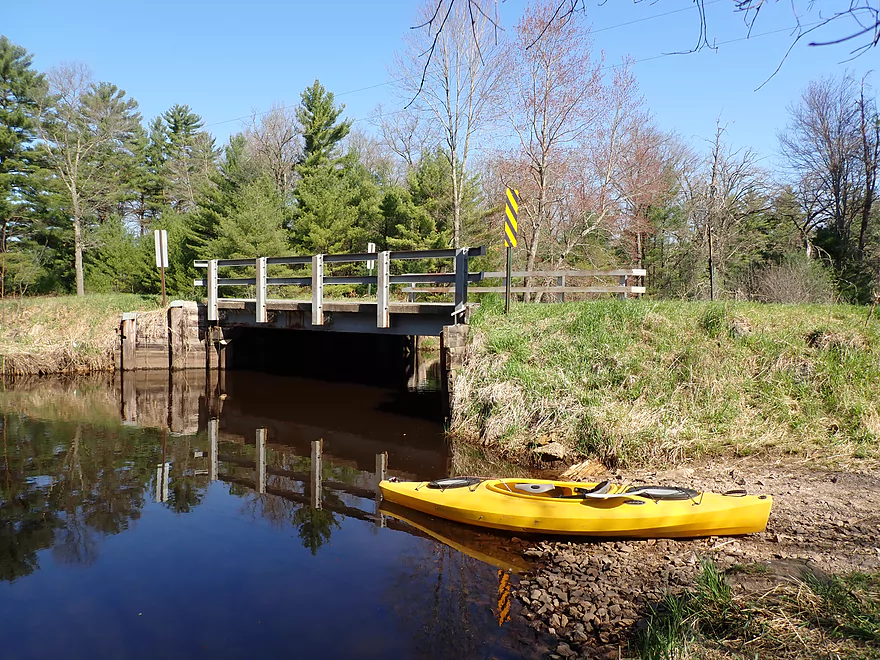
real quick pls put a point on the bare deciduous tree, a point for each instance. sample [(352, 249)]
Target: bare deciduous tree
[(274, 140), (449, 73), (726, 196), (824, 150), (554, 98), (849, 22), (405, 134)]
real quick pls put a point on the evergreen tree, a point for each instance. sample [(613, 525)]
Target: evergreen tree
[(118, 264), (336, 198), (252, 226), (217, 200), (182, 156), (318, 117), (20, 90)]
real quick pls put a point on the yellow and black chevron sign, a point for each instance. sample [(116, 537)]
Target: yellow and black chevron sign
[(503, 598), (511, 210)]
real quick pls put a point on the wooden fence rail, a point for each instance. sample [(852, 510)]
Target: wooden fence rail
[(622, 289)]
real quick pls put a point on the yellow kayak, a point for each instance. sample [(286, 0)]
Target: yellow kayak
[(597, 509)]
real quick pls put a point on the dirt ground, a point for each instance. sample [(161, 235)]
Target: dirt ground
[(592, 595)]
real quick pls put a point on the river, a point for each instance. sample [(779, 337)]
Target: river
[(175, 516)]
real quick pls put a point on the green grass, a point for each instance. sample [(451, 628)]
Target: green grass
[(64, 333), (637, 381), (835, 618)]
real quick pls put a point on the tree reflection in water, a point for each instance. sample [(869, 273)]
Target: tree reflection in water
[(456, 603), (64, 486), (314, 525)]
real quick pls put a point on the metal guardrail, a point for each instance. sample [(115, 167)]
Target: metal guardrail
[(383, 279), (622, 289)]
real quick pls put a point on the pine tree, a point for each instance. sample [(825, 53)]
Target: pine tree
[(336, 199), (318, 117), (182, 156), (20, 90)]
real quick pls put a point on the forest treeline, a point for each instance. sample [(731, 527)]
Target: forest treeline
[(84, 178)]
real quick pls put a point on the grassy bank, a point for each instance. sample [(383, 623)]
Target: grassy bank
[(640, 382), (63, 334), (827, 616)]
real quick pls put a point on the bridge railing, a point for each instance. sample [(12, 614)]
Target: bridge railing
[(622, 289), (383, 279)]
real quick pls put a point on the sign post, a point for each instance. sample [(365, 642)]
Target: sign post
[(510, 227), (160, 237), (371, 263)]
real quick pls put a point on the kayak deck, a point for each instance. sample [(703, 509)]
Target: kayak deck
[(597, 509)]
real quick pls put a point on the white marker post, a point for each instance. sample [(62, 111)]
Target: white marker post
[(371, 264), (160, 237)]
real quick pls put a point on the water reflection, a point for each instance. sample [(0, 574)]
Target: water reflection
[(247, 502)]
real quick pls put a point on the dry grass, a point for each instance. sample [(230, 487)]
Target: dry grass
[(64, 334), (797, 619), (641, 382)]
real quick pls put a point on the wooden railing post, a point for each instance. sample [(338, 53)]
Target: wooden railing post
[(262, 316), (461, 281), (383, 290), (212, 291), (622, 283), (560, 281), (318, 289)]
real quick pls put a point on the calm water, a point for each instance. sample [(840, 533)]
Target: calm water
[(170, 517)]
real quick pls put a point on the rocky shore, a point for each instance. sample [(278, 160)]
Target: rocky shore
[(593, 596)]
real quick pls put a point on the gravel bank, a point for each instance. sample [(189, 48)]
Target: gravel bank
[(592, 596)]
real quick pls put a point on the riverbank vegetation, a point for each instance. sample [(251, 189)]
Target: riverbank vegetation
[(68, 334), (815, 616), (641, 382)]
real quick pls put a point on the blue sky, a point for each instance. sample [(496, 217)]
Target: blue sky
[(227, 59)]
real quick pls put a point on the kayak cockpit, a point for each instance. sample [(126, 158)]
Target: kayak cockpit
[(603, 490)]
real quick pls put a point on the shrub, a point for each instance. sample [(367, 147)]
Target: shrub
[(798, 279)]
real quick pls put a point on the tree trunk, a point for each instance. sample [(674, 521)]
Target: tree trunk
[(869, 161), (78, 247), (456, 196)]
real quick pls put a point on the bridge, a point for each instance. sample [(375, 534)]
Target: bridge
[(386, 315), (238, 332)]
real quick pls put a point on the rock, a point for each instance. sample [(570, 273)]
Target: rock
[(565, 650), (553, 450)]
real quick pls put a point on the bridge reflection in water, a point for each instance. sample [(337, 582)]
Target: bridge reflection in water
[(234, 518)]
